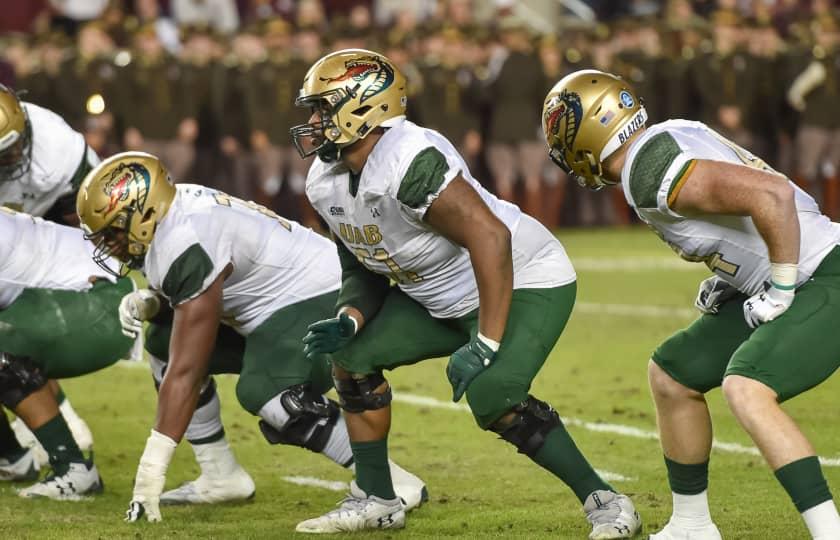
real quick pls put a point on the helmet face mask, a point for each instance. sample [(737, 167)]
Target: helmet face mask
[(350, 92), (15, 137), (120, 203), (587, 116)]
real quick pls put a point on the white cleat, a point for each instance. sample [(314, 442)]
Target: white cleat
[(673, 531), (81, 479), (23, 469), (222, 479), (358, 511), (205, 489), (27, 440), (612, 515), (408, 487)]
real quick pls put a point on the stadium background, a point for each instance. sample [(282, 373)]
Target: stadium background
[(209, 84), (219, 103)]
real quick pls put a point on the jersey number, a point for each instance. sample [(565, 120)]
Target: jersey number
[(715, 261), (397, 274), (225, 200)]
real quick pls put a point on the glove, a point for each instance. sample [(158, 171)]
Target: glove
[(329, 335), (151, 476), (136, 307), (466, 363), (767, 306), (713, 292)]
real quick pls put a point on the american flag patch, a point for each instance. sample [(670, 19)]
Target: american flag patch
[(607, 118)]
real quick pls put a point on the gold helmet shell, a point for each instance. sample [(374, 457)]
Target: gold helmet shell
[(354, 91), (120, 204), (586, 117), (15, 136)]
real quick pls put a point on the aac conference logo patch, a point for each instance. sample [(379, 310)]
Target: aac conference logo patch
[(626, 99)]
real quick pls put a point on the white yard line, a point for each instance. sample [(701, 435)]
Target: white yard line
[(634, 264), (617, 429), (637, 310), (317, 482)]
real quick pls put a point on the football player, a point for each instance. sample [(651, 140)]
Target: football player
[(53, 324), (768, 332), (42, 162), (217, 259), (476, 279)]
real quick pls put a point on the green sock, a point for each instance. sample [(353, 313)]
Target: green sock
[(804, 482), (561, 456), (59, 444), (373, 475), (688, 479), (10, 448)]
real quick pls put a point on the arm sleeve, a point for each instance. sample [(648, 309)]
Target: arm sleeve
[(360, 288)]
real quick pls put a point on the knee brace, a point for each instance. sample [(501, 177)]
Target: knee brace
[(357, 395), (309, 422), (532, 421), (19, 378)]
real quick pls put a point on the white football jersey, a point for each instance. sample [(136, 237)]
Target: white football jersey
[(662, 157), (391, 238), (40, 254), (275, 262), (57, 153)]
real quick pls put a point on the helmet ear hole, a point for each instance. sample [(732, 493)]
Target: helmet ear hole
[(361, 111)]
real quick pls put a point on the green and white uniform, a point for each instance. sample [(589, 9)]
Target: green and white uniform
[(49, 309), (383, 236), (284, 277), (60, 161), (657, 164)]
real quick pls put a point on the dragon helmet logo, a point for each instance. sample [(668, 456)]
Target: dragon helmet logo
[(564, 111), (360, 69), (125, 180)]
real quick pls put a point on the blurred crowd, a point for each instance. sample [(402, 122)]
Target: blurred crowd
[(209, 85)]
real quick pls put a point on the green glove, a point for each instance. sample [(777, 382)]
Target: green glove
[(466, 363), (329, 335)]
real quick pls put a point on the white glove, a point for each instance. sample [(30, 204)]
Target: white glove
[(767, 306), (151, 476), (136, 307), (713, 292)]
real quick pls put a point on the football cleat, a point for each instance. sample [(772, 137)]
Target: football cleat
[(358, 511), (673, 531), (22, 468), (81, 479), (206, 489), (222, 479), (612, 515), (408, 487)]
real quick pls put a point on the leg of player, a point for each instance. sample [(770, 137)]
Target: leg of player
[(372, 502), (786, 450), (79, 428), (17, 464), (685, 431), (73, 476), (222, 478)]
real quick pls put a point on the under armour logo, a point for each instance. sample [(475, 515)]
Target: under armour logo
[(374, 212), (384, 521), (622, 528)]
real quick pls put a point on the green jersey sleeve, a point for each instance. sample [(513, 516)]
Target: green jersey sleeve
[(657, 173), (423, 179), (187, 275)]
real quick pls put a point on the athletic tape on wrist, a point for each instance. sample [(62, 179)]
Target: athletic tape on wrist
[(783, 275), (493, 344)]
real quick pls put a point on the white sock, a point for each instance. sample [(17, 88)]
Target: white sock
[(206, 420), (822, 521), (691, 511), (216, 459), (67, 411)]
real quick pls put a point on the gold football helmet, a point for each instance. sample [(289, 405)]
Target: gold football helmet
[(15, 137), (351, 91), (120, 204), (586, 117)]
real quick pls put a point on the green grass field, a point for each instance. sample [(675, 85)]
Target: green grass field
[(480, 487)]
